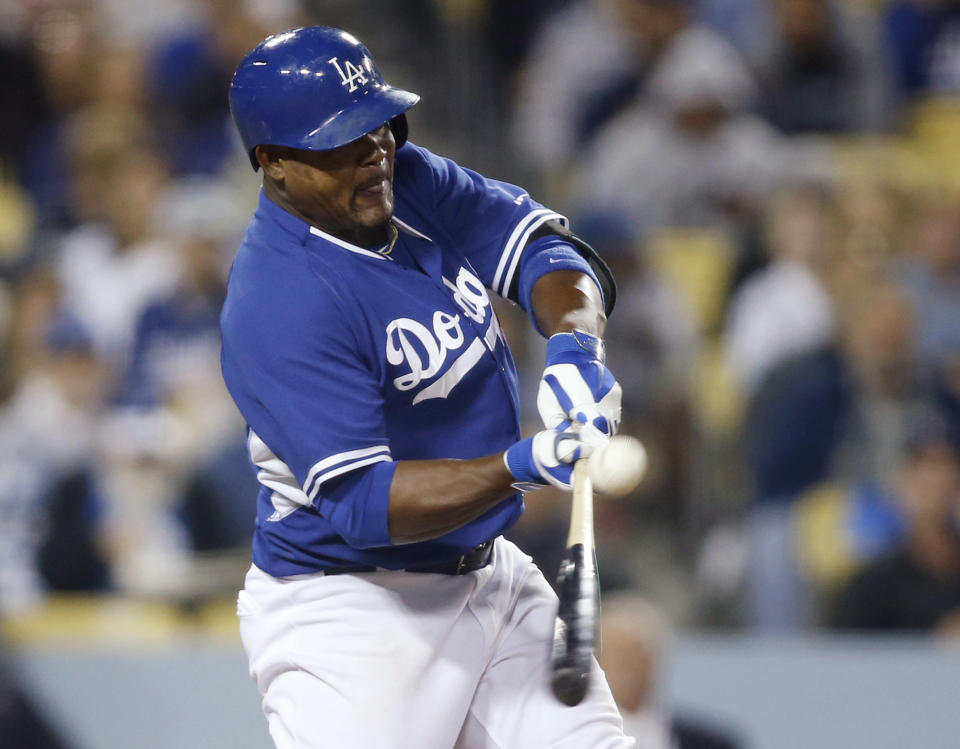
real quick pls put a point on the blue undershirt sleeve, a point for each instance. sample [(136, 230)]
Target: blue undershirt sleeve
[(546, 255), (357, 505)]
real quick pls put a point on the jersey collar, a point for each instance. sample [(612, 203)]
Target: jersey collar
[(407, 229), (402, 226), (302, 230), (270, 211), (346, 245)]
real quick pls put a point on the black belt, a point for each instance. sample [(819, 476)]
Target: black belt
[(475, 559)]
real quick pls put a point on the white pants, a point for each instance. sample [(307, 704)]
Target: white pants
[(419, 661)]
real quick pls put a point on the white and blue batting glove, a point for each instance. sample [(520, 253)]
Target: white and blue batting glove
[(577, 386), (546, 458)]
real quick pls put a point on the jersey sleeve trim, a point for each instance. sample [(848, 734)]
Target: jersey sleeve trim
[(341, 463), (513, 249)]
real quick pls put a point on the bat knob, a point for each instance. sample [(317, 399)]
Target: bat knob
[(570, 685)]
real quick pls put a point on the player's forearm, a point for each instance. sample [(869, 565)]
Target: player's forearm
[(429, 498), (566, 300)]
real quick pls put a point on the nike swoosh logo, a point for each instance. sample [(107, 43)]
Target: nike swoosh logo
[(556, 260)]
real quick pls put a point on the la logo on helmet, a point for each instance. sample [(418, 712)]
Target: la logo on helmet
[(351, 76)]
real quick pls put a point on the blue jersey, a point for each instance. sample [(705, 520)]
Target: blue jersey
[(344, 360)]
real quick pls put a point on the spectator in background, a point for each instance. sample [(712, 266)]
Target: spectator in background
[(916, 588), (924, 41), (68, 554), (841, 411), (785, 308), (590, 62), (141, 469), (47, 432), (32, 301), (582, 66), (687, 153), (108, 263), (175, 367), (117, 77), (930, 270), (635, 638), (61, 41), (22, 100), (101, 505), (187, 74), (816, 76), (111, 267), (176, 346), (873, 215)]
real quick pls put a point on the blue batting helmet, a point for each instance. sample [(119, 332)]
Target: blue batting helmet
[(313, 88)]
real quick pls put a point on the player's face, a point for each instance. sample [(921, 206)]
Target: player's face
[(347, 191)]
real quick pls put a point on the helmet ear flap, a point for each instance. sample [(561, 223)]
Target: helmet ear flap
[(399, 127)]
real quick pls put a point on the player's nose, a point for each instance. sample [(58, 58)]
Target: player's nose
[(376, 145)]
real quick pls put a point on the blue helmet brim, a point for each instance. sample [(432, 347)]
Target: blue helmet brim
[(382, 105)]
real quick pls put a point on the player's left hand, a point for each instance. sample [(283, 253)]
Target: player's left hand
[(547, 458), (577, 386)]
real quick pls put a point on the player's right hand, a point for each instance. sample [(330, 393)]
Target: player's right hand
[(548, 457)]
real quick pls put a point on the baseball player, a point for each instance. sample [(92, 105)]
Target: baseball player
[(383, 607)]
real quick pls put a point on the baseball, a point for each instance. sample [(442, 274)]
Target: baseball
[(618, 466)]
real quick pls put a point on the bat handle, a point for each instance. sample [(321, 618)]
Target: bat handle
[(581, 509)]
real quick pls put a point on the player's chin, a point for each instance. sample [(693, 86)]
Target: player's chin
[(370, 210)]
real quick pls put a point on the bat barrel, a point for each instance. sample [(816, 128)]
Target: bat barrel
[(574, 635)]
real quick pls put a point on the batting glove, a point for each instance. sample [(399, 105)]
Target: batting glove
[(546, 458), (577, 386)]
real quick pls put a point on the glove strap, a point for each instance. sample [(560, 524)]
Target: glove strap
[(517, 462), (578, 340)]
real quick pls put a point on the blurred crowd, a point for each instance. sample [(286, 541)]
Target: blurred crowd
[(776, 184)]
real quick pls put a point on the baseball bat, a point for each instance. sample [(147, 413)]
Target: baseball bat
[(575, 628)]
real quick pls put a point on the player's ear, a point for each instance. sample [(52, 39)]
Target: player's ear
[(269, 159)]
